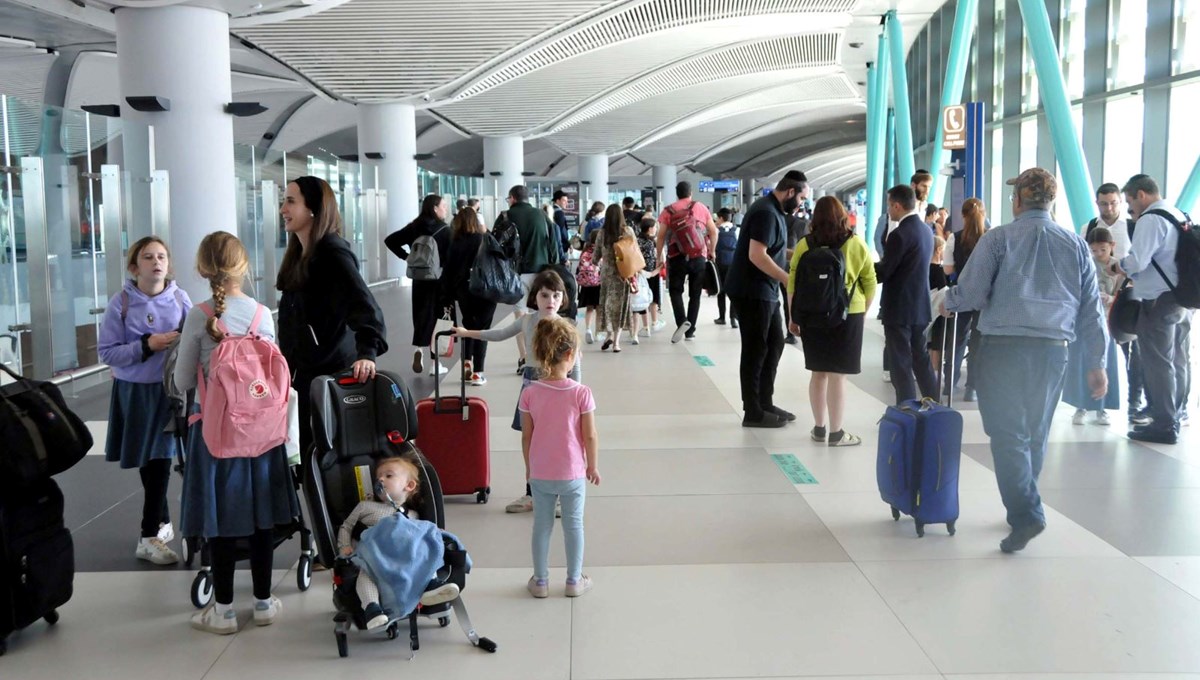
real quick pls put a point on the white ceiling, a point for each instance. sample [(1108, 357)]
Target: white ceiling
[(744, 88)]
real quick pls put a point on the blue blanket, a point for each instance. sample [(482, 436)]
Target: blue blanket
[(402, 556)]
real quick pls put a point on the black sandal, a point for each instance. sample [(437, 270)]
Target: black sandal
[(607, 344)]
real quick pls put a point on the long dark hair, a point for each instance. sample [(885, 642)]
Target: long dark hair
[(429, 207), (319, 198), (614, 223), (830, 225)]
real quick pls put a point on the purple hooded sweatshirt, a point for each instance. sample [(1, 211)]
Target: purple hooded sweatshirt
[(121, 341)]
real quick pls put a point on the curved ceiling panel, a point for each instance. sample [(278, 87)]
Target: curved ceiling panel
[(312, 121), (685, 146)]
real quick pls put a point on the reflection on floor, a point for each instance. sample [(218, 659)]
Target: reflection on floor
[(709, 562)]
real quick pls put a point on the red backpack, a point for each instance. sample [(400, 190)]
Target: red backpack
[(687, 232)]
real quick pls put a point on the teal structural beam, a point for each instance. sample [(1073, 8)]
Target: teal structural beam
[(890, 150), (952, 87), (905, 164), (1191, 191), (1078, 182), (877, 105), (874, 149)]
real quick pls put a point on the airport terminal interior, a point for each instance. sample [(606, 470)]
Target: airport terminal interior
[(716, 551)]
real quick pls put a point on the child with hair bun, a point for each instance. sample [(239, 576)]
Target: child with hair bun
[(561, 445), (230, 498)]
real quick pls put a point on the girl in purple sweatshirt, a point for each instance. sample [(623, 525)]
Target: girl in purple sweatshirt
[(140, 324)]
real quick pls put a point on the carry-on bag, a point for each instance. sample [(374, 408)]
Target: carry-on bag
[(37, 557), (42, 437), (454, 438), (919, 454)]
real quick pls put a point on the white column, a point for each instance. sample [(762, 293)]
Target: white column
[(593, 169), (181, 53), (505, 155), (666, 178), (391, 129)]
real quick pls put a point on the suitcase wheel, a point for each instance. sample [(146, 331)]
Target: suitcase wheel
[(202, 590), (304, 573), (920, 530), (393, 630), (950, 527), (895, 514), (52, 617), (481, 495), (343, 645)]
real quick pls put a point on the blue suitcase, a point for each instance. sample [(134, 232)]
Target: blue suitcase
[(920, 447)]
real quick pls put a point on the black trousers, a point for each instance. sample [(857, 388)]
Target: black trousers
[(426, 310), (1133, 369), (224, 559), (678, 269), (761, 326), (477, 314), (156, 477), (904, 347), (723, 272)]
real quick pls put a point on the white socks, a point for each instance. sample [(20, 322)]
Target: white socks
[(223, 609)]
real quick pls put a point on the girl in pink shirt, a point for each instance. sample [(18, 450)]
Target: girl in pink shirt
[(560, 443)]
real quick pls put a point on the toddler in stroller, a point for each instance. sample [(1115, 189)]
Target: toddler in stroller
[(358, 426)]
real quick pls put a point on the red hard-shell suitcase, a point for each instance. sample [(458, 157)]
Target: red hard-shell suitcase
[(453, 435)]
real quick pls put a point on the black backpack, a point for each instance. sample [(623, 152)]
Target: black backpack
[(820, 298), (1187, 261)]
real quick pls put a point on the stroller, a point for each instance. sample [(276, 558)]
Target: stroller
[(353, 424), (202, 585)]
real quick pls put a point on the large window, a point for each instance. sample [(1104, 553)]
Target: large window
[(998, 68), (1029, 80), (1071, 45), (1029, 144), (1123, 137), (1185, 143), (1186, 37), (996, 199), (1127, 52)]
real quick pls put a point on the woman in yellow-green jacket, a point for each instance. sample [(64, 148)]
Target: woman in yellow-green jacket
[(833, 353)]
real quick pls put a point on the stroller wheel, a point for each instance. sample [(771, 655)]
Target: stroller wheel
[(443, 621), (304, 573), (202, 590), (343, 645), (393, 630)]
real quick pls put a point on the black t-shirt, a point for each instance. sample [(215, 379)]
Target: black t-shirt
[(765, 223)]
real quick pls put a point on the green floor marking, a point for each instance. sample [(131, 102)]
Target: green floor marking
[(793, 468), (703, 360)]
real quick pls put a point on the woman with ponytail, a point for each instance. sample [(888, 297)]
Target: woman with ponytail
[(426, 293), (230, 498), (959, 247), (328, 319)]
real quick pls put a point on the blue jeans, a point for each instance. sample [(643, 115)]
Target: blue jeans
[(1020, 382), (573, 494)]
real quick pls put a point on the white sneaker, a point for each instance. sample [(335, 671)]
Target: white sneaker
[(680, 332), (1079, 416), (590, 337), (166, 532), (478, 380), (583, 585), (418, 364), (438, 369), (645, 332), (522, 504), (154, 550), (265, 612), (209, 622), (444, 593), (635, 340), (659, 325), (1102, 418)]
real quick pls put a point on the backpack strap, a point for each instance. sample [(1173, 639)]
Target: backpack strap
[(1179, 226), (253, 329), (208, 311)]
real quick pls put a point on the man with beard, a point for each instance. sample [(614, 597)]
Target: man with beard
[(758, 270)]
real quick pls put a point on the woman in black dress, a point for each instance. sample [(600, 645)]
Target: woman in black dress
[(466, 235), (426, 295)]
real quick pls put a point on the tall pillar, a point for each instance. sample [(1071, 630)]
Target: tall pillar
[(889, 164), (1058, 110), (877, 106), (905, 165), (504, 155), (593, 176), (391, 129), (952, 86), (181, 53), (665, 179)]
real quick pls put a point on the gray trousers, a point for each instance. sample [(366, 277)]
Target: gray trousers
[(1164, 333)]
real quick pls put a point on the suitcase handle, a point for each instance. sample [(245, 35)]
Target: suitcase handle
[(437, 389)]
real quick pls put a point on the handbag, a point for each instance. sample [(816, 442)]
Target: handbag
[(1123, 314), (640, 295), (493, 276), (712, 279), (442, 346), (42, 437)]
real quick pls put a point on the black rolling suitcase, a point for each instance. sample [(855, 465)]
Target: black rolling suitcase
[(37, 557)]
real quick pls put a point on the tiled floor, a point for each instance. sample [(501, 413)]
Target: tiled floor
[(709, 562)]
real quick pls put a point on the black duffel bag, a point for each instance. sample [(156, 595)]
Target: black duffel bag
[(1123, 314), (493, 277), (41, 436)]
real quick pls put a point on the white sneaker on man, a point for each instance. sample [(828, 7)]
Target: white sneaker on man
[(154, 550)]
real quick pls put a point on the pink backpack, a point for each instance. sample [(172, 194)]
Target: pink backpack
[(588, 274), (244, 405)]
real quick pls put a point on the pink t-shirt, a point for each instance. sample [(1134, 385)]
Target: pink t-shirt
[(557, 407), (700, 213)]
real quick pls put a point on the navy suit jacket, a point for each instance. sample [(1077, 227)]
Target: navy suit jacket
[(904, 273)]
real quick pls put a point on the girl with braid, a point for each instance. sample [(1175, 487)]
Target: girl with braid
[(230, 498)]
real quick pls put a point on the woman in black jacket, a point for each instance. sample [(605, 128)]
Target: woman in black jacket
[(328, 319), (426, 295), (467, 233)]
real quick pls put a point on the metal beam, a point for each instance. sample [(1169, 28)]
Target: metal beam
[(905, 164), (952, 86)]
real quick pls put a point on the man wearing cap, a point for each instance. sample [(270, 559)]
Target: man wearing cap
[(1034, 285)]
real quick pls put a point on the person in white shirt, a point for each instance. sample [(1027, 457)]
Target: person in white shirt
[(921, 183), (1108, 200)]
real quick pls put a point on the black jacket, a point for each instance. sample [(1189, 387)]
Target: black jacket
[(400, 242), (333, 319), (456, 268), (904, 273)]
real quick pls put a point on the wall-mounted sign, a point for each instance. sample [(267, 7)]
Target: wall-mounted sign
[(954, 127), (720, 185)]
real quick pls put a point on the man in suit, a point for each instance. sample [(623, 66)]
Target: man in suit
[(904, 273)]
